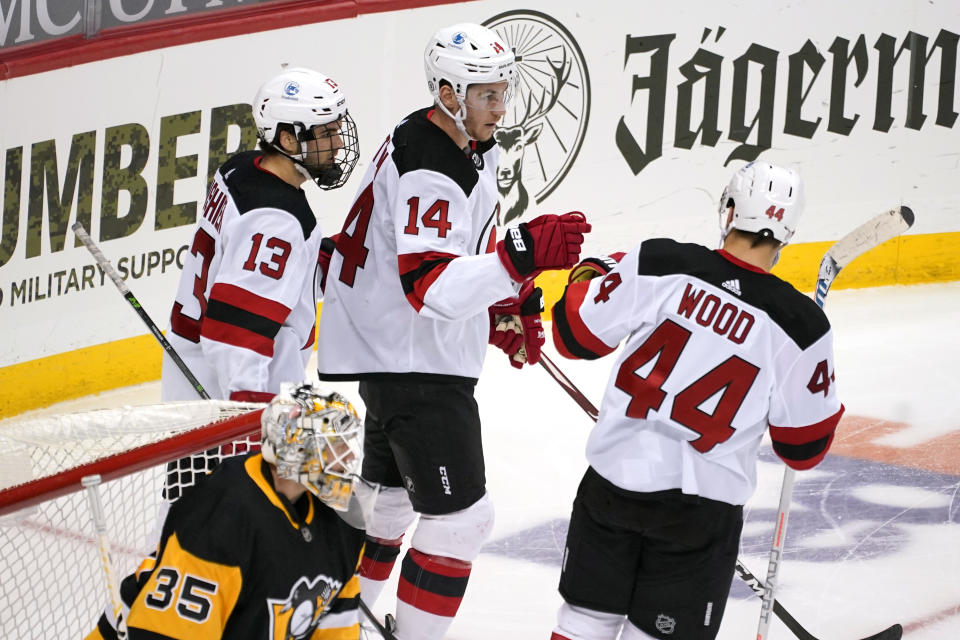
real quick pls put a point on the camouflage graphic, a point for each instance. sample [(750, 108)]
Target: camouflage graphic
[(129, 179), (10, 229), (238, 116), (44, 178), (171, 167)]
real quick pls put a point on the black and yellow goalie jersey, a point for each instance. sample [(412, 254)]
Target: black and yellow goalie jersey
[(238, 561)]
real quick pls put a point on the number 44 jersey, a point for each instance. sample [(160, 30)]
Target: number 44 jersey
[(716, 351)]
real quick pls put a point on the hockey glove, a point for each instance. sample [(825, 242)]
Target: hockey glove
[(327, 247), (546, 242), (516, 328), (594, 266)]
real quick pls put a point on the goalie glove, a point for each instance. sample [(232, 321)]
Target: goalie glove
[(516, 327), (594, 266)]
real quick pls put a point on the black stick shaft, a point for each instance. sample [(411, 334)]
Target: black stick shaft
[(104, 264)]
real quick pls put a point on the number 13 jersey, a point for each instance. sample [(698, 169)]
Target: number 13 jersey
[(245, 312), (716, 350)]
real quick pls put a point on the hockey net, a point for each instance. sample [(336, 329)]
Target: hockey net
[(52, 584)]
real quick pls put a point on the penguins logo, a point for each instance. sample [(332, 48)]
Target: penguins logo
[(541, 134), (296, 617)]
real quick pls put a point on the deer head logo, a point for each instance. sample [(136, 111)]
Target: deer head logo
[(514, 140), (545, 126)]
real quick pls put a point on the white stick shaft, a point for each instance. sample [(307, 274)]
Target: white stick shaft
[(776, 553), (92, 486)]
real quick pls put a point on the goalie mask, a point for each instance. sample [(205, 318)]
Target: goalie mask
[(467, 54), (766, 199), (315, 108), (315, 439)]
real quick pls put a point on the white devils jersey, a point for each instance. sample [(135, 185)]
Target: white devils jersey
[(244, 315), (413, 274), (716, 350)]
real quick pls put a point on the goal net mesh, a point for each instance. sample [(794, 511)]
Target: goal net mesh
[(52, 584)]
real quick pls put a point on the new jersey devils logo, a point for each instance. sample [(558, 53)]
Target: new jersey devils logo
[(541, 133)]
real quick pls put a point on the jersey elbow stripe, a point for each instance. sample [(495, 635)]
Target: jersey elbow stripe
[(237, 317), (418, 271), (231, 334), (804, 447), (242, 299), (571, 336)]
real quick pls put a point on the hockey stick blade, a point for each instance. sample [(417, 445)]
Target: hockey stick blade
[(873, 232), (385, 633), (894, 632)]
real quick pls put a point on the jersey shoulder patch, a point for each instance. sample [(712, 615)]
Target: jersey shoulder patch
[(796, 314), (418, 144), (253, 188)]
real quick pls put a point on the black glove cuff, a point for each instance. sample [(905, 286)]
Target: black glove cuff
[(519, 247), (533, 305)]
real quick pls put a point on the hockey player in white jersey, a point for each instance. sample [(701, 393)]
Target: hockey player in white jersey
[(244, 315), (412, 287), (717, 351)]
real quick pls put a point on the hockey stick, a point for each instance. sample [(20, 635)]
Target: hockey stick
[(104, 264), (381, 629), (758, 588), (91, 485), (868, 235)]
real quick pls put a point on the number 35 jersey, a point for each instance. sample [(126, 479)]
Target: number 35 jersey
[(245, 311), (716, 351), (413, 275)]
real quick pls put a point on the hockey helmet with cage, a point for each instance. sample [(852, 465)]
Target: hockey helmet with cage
[(303, 99), (314, 438), (767, 199), (466, 54)]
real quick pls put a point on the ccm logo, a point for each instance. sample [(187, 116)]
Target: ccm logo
[(517, 238)]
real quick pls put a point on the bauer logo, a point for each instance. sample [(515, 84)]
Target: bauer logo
[(545, 124)]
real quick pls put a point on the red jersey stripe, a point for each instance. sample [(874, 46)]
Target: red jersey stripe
[(236, 336), (573, 298), (420, 270), (243, 299), (809, 433)]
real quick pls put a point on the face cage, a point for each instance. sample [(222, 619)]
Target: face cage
[(331, 474), (336, 172)]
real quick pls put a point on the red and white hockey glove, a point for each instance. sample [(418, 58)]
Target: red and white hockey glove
[(327, 247), (594, 266), (515, 326), (546, 242)]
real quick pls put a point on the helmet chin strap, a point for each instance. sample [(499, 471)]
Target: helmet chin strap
[(458, 117)]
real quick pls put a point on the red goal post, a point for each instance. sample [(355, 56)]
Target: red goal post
[(52, 584)]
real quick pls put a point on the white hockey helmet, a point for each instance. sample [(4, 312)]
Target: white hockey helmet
[(466, 54), (766, 199), (303, 99), (316, 439)]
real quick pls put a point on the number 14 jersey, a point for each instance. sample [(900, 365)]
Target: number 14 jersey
[(716, 350), (414, 271)]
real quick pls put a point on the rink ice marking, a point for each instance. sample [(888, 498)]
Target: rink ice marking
[(857, 437)]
